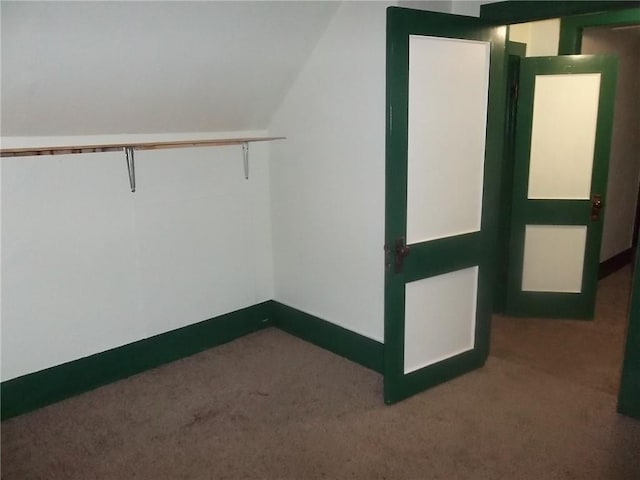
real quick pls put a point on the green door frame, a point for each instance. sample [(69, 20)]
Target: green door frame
[(629, 395), (571, 28), (515, 52), (520, 11)]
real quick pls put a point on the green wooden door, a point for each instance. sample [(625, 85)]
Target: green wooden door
[(444, 141), (563, 135)]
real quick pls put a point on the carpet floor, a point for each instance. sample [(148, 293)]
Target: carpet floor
[(270, 406), (587, 352)]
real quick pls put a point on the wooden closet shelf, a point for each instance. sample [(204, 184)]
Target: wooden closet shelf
[(112, 147)]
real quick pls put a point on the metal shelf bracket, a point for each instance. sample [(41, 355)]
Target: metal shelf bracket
[(245, 158), (128, 152)]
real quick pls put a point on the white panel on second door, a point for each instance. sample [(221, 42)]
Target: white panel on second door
[(563, 132), (448, 82), (440, 317), (553, 258)]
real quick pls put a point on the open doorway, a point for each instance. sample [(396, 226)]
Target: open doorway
[(624, 163), (590, 353)]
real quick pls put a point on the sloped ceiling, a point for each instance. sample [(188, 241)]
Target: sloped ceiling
[(77, 68)]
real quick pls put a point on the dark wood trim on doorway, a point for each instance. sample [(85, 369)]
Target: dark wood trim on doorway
[(509, 12), (615, 263)]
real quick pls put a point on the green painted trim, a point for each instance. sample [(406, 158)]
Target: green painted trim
[(550, 305), (563, 212), (571, 28), (516, 49), (420, 380), (30, 392), (629, 396), (615, 263), (439, 256), (515, 52), (36, 390), (355, 347), (528, 11)]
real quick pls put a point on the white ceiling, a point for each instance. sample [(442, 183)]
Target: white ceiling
[(77, 68)]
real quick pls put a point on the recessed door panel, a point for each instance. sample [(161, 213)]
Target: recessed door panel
[(446, 136), (565, 112), (553, 258), (440, 317)]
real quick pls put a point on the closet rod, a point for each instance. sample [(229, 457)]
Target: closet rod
[(113, 147)]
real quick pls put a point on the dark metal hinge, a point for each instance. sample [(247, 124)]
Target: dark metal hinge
[(401, 251), (387, 257)]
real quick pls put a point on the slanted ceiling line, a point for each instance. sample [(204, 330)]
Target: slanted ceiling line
[(113, 147)]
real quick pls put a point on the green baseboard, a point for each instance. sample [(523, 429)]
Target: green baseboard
[(29, 392), (357, 348)]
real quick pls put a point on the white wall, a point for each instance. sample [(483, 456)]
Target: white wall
[(107, 67), (443, 6), (469, 8), (624, 160), (327, 179), (88, 266), (458, 7), (520, 32), (541, 37)]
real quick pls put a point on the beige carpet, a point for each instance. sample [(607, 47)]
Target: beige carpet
[(270, 406), (586, 352)]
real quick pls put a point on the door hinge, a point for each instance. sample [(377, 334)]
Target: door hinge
[(514, 92), (387, 257), (401, 251)]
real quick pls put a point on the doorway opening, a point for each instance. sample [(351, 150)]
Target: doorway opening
[(591, 352)]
